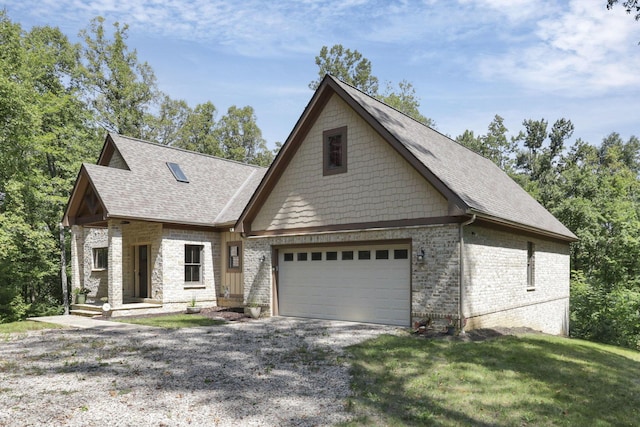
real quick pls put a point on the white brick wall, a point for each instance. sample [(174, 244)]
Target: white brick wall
[(434, 283), (496, 281), (378, 186), (175, 290), (167, 263), (495, 274)]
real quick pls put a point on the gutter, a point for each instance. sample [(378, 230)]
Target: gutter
[(461, 318), (526, 228)]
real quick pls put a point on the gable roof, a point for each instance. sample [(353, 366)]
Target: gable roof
[(140, 185), (472, 184)]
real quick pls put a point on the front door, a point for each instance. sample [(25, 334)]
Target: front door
[(142, 268)]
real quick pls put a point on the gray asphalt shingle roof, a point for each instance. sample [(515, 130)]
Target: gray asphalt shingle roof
[(216, 193), (481, 185)]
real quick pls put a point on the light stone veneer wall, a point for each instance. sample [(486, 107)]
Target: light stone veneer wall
[(176, 292), (434, 282), (495, 274), (378, 186), (84, 239)]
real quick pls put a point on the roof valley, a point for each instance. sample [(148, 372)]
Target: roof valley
[(235, 197)]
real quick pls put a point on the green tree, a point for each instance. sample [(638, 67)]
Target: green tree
[(119, 88), (199, 131), (494, 145), (46, 133), (354, 69), (405, 100), (240, 137), (347, 65), (165, 127)]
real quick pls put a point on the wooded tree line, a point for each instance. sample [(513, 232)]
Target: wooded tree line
[(57, 99)]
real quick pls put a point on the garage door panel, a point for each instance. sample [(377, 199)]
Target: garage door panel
[(373, 290)]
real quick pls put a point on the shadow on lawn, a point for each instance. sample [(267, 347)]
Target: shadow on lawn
[(527, 380)]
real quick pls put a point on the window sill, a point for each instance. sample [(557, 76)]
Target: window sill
[(98, 270), (194, 286)]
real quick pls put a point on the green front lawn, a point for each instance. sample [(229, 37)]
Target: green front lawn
[(531, 380), (25, 326), (173, 321)]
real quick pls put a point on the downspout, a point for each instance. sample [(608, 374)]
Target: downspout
[(461, 284)]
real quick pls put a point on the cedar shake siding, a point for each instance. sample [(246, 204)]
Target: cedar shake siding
[(378, 186)]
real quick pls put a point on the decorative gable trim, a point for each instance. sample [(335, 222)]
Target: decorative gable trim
[(85, 205)]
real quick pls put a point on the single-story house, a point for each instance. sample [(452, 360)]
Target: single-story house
[(364, 215), (152, 227)]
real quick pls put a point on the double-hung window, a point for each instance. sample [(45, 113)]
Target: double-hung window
[(192, 263)]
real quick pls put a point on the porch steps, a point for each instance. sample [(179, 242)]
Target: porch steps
[(130, 308), (86, 310)]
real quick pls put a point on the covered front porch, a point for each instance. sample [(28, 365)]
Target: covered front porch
[(119, 262)]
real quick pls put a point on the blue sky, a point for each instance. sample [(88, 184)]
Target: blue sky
[(467, 59)]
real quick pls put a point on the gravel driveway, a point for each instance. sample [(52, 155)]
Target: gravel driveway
[(270, 372)]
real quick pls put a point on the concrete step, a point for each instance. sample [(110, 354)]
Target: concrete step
[(86, 313), (88, 307), (86, 310)]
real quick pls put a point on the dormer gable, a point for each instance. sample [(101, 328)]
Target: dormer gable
[(111, 156)]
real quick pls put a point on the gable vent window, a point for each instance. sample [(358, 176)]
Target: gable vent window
[(334, 151), (177, 172)]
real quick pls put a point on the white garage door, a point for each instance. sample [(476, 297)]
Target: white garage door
[(359, 283)]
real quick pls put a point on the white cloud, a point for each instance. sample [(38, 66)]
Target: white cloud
[(515, 11), (582, 50)]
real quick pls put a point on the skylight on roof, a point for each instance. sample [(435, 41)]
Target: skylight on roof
[(177, 172)]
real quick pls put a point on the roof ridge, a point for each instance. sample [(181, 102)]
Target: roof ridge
[(184, 150)]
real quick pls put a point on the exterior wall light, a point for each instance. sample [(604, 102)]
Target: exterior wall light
[(420, 256)]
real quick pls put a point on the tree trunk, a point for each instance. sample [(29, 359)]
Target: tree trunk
[(63, 271)]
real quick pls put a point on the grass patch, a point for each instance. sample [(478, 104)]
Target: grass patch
[(26, 326), (508, 381), (173, 321)]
